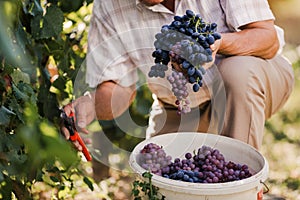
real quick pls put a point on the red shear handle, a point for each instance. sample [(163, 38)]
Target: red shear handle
[(85, 152)]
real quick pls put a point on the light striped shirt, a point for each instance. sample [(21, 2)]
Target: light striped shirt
[(121, 38)]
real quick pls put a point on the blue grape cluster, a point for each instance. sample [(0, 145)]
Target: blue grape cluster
[(185, 43), (208, 165)]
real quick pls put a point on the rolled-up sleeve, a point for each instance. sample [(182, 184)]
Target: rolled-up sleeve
[(107, 58), (242, 12)]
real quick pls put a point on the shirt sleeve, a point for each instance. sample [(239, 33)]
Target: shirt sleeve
[(107, 58), (242, 12)]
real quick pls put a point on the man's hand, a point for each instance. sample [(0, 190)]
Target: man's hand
[(214, 47), (84, 109)]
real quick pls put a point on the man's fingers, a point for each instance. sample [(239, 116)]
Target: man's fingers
[(77, 145), (68, 109), (81, 121), (84, 130), (87, 140), (65, 132)]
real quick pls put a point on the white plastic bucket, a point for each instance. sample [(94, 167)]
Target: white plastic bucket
[(177, 144)]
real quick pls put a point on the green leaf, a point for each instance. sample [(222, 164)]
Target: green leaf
[(61, 187), (21, 37), (17, 158), (19, 76), (1, 177), (55, 48), (39, 175), (71, 5), (52, 22), (16, 107), (60, 83), (19, 94), (89, 183), (147, 175), (54, 179), (53, 170), (5, 115), (49, 25), (36, 25), (135, 192), (6, 189)]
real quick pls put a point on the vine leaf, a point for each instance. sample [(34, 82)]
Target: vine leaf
[(52, 24), (19, 76), (145, 188), (49, 25), (54, 179), (5, 114), (89, 183)]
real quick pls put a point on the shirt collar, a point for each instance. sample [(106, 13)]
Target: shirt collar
[(155, 8)]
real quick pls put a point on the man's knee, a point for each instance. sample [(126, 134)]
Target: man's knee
[(237, 71)]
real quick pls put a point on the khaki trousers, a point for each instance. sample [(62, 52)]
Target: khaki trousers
[(244, 93)]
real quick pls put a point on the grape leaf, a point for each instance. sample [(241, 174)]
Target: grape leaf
[(52, 22), (19, 94), (18, 76), (70, 5), (21, 37), (54, 179), (1, 177), (49, 25), (89, 183), (35, 25), (5, 115), (15, 106)]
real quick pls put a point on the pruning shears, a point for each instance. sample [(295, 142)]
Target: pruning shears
[(69, 122)]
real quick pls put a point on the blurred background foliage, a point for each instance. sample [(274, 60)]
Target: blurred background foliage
[(43, 45), (40, 58)]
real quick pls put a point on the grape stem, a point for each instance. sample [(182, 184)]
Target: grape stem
[(151, 189), (197, 24)]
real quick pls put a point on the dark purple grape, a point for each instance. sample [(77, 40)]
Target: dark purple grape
[(188, 156)]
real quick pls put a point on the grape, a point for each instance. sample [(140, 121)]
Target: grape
[(185, 43), (178, 82), (207, 165), (154, 159)]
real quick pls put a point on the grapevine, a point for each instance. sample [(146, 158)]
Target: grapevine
[(146, 188), (185, 43)]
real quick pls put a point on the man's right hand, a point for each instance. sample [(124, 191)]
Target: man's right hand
[(84, 109)]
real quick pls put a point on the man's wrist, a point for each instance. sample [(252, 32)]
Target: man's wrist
[(87, 93), (90, 95)]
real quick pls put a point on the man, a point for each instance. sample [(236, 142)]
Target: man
[(250, 81)]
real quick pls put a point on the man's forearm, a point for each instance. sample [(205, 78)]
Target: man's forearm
[(255, 39), (111, 100)]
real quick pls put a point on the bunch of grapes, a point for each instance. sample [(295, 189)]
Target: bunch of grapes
[(153, 158), (186, 44), (208, 165), (179, 88)]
